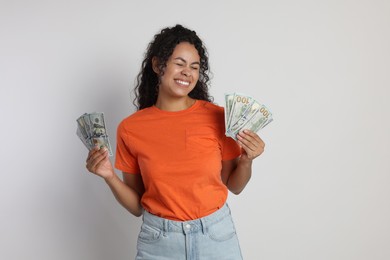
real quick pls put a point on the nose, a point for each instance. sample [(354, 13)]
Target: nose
[(186, 72)]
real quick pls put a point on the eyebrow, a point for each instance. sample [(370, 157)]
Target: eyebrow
[(183, 60)]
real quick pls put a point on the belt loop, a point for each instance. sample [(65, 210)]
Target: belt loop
[(204, 226), (165, 227)]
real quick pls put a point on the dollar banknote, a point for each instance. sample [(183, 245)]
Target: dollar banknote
[(92, 131), (244, 112), (228, 105), (239, 105)]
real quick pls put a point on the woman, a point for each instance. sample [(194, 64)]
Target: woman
[(177, 163)]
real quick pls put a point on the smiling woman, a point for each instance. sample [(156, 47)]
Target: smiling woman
[(178, 78), (159, 51), (177, 162)]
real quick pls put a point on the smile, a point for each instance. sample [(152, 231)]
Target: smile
[(181, 82)]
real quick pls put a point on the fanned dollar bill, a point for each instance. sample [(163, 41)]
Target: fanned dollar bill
[(238, 107), (244, 112), (92, 131)]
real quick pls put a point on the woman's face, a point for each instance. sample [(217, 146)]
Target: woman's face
[(181, 73)]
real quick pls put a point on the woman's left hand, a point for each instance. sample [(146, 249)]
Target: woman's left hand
[(251, 144)]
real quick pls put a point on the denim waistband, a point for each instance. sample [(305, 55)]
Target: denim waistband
[(189, 226)]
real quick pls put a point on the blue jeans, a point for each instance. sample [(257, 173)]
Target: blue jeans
[(211, 237)]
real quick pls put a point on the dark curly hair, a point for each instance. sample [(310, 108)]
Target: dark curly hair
[(162, 47)]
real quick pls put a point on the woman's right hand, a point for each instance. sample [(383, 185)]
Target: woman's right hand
[(99, 163)]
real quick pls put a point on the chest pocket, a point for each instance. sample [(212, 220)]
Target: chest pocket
[(202, 139)]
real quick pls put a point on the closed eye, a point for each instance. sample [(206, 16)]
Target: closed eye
[(182, 62)]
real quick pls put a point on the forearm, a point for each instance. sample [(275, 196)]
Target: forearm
[(240, 176), (125, 195)]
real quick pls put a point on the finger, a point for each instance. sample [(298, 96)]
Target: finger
[(98, 162), (252, 144), (92, 152), (248, 141), (256, 138), (96, 158), (98, 155), (245, 144), (94, 167), (96, 151)]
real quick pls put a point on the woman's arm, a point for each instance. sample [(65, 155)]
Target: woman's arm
[(236, 173), (127, 192)]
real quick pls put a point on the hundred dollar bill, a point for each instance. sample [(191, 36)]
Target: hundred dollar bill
[(102, 141), (87, 124), (82, 127), (91, 129), (240, 104), (98, 126), (258, 120), (244, 112), (228, 106), (266, 123), (245, 116), (267, 114), (84, 139)]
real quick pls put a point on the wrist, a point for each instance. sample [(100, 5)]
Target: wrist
[(110, 179), (245, 161)]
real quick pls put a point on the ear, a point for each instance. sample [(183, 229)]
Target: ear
[(155, 65)]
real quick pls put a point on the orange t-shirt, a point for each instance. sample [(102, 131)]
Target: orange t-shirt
[(179, 155)]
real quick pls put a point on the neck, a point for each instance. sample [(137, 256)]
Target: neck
[(174, 104)]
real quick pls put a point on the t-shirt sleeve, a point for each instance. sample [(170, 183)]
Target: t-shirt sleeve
[(230, 149), (125, 160)]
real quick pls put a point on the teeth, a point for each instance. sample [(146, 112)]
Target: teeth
[(183, 82)]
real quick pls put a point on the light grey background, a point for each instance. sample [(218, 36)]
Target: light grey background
[(320, 190)]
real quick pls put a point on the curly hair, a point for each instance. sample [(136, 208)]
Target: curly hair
[(162, 47)]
